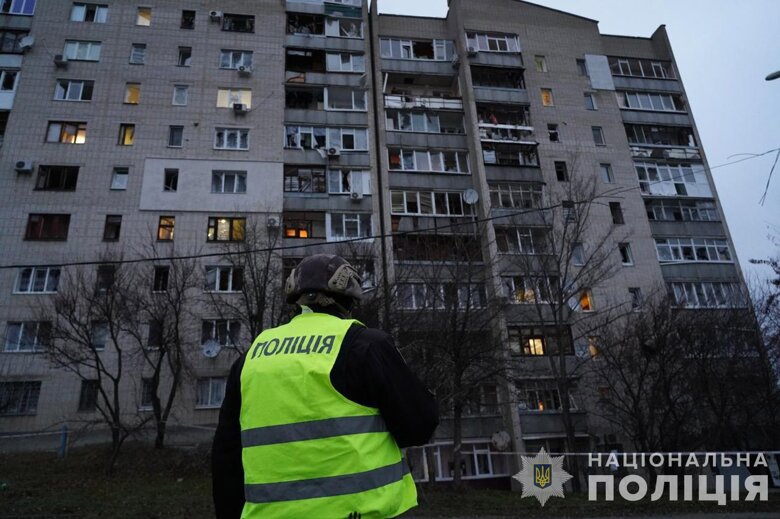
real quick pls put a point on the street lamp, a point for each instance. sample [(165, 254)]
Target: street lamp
[(773, 75)]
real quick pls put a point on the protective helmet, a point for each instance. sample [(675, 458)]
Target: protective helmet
[(323, 274)]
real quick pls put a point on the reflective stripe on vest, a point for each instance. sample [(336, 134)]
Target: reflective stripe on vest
[(307, 450)]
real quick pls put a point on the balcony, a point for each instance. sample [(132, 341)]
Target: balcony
[(550, 423), (520, 154), (647, 84), (422, 102), (650, 151), (651, 117), (505, 133)]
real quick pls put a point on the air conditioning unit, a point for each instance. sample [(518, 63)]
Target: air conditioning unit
[(356, 196), (240, 108), (472, 51), (245, 70), (60, 60), (272, 222), (215, 16), (23, 166), (334, 152)]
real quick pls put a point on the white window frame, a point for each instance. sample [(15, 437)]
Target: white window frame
[(213, 332), (239, 133), (116, 174), (333, 28), (3, 76), (357, 181), (361, 221), (520, 240), (29, 394), (357, 94), (22, 331), (707, 294), (137, 53), (214, 387), (79, 11), (355, 62), (416, 198), (534, 290), (177, 90), (231, 59), (90, 52), (218, 269), (72, 90), (672, 250), (625, 246), (521, 196), (20, 8), (51, 279), (427, 296), (221, 174), (592, 105), (481, 42), (432, 157), (443, 50), (607, 174), (335, 138)]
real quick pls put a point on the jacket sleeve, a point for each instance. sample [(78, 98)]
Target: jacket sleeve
[(227, 471), (375, 374)]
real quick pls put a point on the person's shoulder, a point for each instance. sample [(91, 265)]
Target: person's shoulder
[(370, 335)]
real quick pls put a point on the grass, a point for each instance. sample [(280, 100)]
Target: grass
[(171, 483)]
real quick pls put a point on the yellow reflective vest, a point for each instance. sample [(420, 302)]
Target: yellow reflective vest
[(308, 451)]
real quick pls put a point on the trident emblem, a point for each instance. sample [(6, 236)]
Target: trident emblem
[(542, 475)]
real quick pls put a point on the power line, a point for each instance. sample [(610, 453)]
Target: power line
[(473, 221)]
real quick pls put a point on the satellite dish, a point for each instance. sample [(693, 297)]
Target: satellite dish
[(470, 196), (211, 349), (26, 42), (500, 440)]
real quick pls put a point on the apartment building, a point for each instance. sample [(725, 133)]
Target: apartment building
[(324, 126)]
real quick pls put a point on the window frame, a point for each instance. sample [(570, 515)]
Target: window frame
[(174, 131), (40, 336), (143, 16), (66, 178), (237, 181), (112, 228), (181, 88), (126, 134), (165, 228), (50, 280), (598, 135), (547, 97), (78, 136), (28, 392), (235, 277), (72, 49), (39, 226), (240, 134), (215, 386), (137, 54), (116, 175), (244, 59), (236, 229), (85, 90)]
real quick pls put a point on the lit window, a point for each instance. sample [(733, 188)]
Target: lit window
[(586, 301), (227, 97), (547, 97), (132, 93), (119, 178), (66, 132), (226, 229), (144, 16), (165, 228), (126, 134), (73, 90)]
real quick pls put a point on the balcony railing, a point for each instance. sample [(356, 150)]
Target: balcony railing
[(431, 103), (506, 133), (649, 151)]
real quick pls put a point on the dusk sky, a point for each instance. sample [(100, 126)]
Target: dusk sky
[(724, 50)]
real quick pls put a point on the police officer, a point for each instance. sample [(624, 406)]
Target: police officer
[(315, 412)]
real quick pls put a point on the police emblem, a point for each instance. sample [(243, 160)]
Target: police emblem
[(542, 476)]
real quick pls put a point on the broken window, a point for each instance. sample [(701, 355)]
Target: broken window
[(660, 135), (345, 98), (424, 160), (345, 181), (518, 195), (503, 115), (300, 60), (238, 23), (492, 42), (440, 50), (301, 179), (510, 154), (494, 77), (305, 24), (641, 68), (552, 132)]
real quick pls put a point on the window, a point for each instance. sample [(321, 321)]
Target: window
[(27, 336), (106, 274), (440, 50), (185, 57), (93, 13), (66, 132), (345, 181), (577, 254), (348, 225), (144, 16), (569, 211), (547, 97), (298, 228), (76, 50), (112, 227), (561, 172), (585, 301), (707, 295), (137, 53), (541, 63), (232, 59), (187, 20), (119, 178), (210, 392), (682, 210), (228, 181), (540, 395), (650, 101), (170, 179), (492, 42), (521, 240), (161, 277), (22, 7), (227, 97), (147, 395), (238, 23), (47, 227), (226, 229), (626, 258), (343, 28), (175, 136), (590, 101), (344, 139), (132, 93), (98, 335), (344, 62), (635, 293), (8, 80), (672, 179), (606, 173), (598, 135), (582, 67), (19, 398), (552, 133), (181, 95), (640, 68), (424, 160), (226, 332), (535, 341), (73, 90), (345, 98), (300, 179), (438, 296), (231, 139), (224, 279), (427, 203), (692, 250), (126, 134), (520, 195), (432, 122), (529, 289), (37, 280), (88, 395), (617, 213), (57, 178), (165, 228)]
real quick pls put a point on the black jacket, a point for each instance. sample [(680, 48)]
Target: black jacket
[(368, 370)]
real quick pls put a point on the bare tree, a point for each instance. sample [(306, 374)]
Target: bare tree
[(88, 318)]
